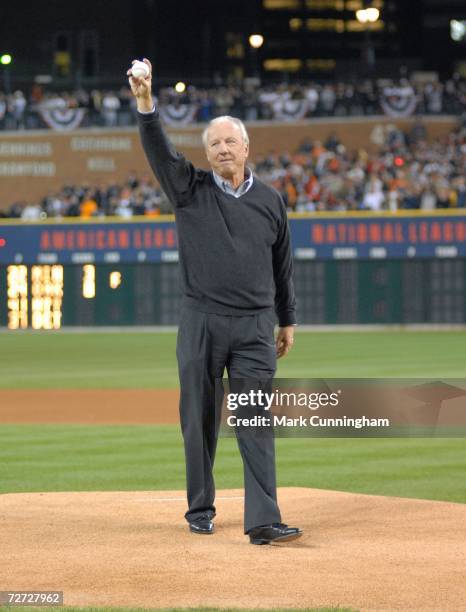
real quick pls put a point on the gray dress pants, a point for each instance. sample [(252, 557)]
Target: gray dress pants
[(206, 345)]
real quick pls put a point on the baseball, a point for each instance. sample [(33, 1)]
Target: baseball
[(140, 70)]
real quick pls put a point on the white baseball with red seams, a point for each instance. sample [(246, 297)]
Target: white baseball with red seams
[(140, 70)]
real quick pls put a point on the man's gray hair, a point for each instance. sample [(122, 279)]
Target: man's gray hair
[(222, 118)]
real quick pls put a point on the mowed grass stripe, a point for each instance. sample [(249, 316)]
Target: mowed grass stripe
[(143, 457), (147, 360), (88, 360)]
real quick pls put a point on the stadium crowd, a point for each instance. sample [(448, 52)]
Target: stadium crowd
[(249, 101), (406, 172)]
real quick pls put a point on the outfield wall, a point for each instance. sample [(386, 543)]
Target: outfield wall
[(349, 269), (315, 236), (34, 164)]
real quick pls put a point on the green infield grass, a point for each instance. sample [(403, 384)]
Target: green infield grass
[(86, 458), (147, 360), (150, 457)]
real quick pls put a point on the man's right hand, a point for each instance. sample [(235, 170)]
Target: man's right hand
[(142, 89)]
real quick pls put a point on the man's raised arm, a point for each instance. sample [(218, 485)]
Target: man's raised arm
[(175, 174)]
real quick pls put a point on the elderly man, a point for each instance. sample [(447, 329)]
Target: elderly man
[(236, 266)]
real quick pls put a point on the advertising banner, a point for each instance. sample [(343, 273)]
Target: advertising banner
[(363, 236)]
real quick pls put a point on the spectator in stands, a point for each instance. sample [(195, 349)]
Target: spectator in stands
[(318, 176), (459, 184), (250, 104), (223, 101), (3, 109), (433, 96), (17, 108), (411, 197), (88, 207), (328, 99), (374, 196), (249, 100), (206, 107), (126, 109), (110, 107), (54, 205), (32, 212)]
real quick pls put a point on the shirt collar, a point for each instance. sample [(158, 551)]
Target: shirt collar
[(227, 187)]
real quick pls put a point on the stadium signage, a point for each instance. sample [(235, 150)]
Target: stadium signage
[(388, 232), (379, 237), (365, 237), (32, 168)]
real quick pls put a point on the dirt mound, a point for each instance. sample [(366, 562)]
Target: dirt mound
[(134, 549)]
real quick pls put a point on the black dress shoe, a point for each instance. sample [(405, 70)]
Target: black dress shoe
[(277, 532), (203, 526)]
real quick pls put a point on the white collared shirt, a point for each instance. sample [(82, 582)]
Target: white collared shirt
[(227, 187)]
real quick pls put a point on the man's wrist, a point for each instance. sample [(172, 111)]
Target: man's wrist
[(145, 105)]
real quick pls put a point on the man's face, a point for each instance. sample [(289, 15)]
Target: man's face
[(226, 150)]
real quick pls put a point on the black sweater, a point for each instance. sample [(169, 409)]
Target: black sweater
[(235, 253)]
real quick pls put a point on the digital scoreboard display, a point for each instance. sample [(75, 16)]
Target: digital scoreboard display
[(36, 301), (49, 297)]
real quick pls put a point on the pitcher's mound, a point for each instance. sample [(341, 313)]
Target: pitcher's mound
[(134, 549)]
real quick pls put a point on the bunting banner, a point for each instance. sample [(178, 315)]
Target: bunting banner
[(63, 118), (178, 115), (398, 101), (290, 110)]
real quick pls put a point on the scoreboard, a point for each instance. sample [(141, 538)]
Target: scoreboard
[(53, 296), (328, 292), (37, 302), (348, 269)]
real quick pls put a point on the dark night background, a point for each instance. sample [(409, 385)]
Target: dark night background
[(91, 42)]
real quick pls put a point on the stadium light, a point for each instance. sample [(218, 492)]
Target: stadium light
[(368, 15), (180, 87), (372, 14), (256, 41), (5, 59), (361, 16)]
